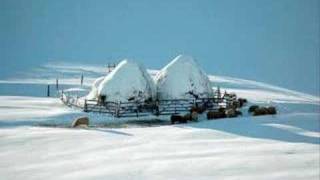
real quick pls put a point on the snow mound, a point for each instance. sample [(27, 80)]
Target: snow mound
[(128, 80), (182, 78), (94, 90)]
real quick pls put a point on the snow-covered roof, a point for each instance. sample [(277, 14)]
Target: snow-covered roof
[(128, 80), (182, 78)]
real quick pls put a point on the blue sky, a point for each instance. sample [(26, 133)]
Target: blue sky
[(273, 41)]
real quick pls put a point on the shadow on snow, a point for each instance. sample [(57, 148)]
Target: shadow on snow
[(286, 128)]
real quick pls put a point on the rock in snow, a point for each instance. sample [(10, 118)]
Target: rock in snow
[(80, 122), (128, 80), (182, 78)]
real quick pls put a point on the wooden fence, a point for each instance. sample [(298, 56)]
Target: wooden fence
[(162, 107)]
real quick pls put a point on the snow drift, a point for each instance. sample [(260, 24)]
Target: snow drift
[(128, 80), (182, 78)]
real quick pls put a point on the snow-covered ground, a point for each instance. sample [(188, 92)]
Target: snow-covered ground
[(284, 146), (244, 148)]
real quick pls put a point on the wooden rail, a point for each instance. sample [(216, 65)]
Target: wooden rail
[(161, 107)]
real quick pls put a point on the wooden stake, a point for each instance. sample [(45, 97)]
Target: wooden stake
[(85, 107), (81, 80), (48, 90), (57, 84)]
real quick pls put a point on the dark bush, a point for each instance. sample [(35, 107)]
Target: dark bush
[(199, 110), (177, 118), (242, 102), (252, 108), (271, 110), (222, 110), (187, 117), (191, 116), (264, 111), (231, 113), (216, 114), (238, 113), (260, 111)]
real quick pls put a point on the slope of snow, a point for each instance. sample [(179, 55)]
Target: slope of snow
[(247, 88), (260, 148), (267, 96), (23, 108), (50, 80), (284, 146), (127, 80), (262, 92), (181, 76), (35, 111)]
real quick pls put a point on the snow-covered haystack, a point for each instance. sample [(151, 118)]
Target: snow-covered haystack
[(93, 95), (129, 81), (182, 78)]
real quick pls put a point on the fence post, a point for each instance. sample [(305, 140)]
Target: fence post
[(81, 81), (194, 102), (118, 109), (100, 108), (48, 90), (85, 107), (227, 100), (57, 84), (61, 95), (137, 106), (157, 107), (175, 106)]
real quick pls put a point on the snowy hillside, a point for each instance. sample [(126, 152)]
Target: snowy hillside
[(284, 146)]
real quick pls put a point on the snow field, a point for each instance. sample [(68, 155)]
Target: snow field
[(284, 146), (168, 152)]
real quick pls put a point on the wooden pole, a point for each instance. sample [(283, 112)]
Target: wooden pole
[(138, 109), (219, 93), (81, 82), (109, 67), (48, 90), (85, 107), (57, 84), (61, 96), (118, 109)]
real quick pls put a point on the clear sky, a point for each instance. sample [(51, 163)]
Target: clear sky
[(273, 41)]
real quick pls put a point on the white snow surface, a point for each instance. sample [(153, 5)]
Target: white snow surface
[(181, 76), (19, 108), (284, 146), (127, 80), (262, 92)]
